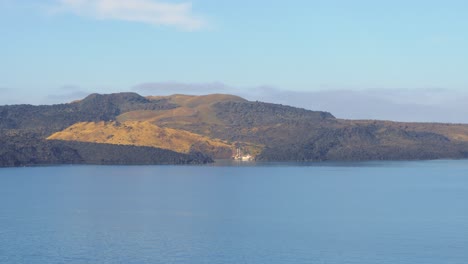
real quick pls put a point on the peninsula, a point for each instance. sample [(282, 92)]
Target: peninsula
[(126, 128)]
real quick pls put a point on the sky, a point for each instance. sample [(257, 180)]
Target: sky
[(361, 59)]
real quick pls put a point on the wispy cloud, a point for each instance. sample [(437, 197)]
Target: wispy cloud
[(166, 88), (66, 94), (11, 96), (179, 15), (407, 105)]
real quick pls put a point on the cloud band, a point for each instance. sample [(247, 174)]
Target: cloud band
[(144, 11)]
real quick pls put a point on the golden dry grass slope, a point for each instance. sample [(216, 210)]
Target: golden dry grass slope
[(191, 109), (143, 133)]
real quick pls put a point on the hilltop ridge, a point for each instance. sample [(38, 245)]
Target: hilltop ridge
[(212, 126)]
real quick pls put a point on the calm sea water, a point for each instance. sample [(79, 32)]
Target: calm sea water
[(389, 212)]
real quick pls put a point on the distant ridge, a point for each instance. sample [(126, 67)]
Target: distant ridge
[(200, 128)]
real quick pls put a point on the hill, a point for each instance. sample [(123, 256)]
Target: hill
[(27, 149), (143, 134), (194, 129), (24, 129)]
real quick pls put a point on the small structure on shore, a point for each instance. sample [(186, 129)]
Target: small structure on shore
[(240, 156)]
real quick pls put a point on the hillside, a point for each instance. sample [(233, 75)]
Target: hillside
[(143, 134), (197, 128), (27, 149), (24, 129), (190, 110), (47, 119)]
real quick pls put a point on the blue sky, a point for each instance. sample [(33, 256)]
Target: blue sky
[(55, 49)]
